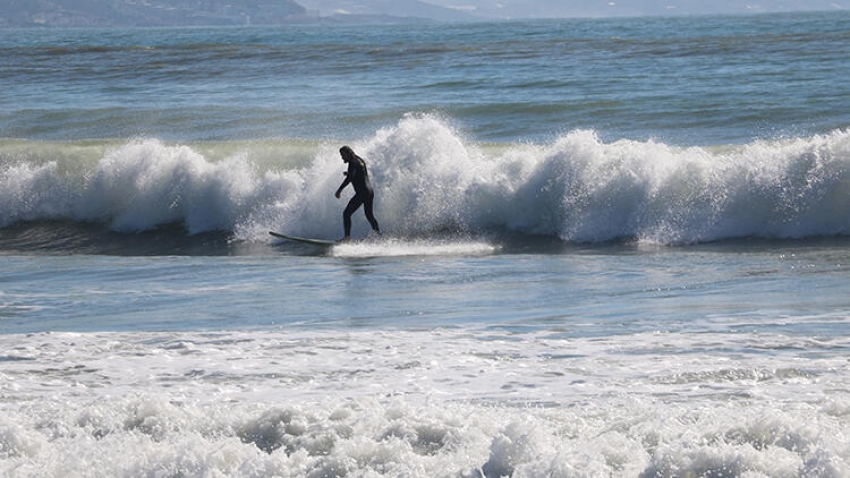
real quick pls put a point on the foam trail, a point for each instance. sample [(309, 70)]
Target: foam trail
[(397, 247)]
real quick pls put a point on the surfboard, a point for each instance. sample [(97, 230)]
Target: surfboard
[(304, 240)]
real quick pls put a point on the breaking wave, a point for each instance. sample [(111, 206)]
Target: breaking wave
[(431, 181)]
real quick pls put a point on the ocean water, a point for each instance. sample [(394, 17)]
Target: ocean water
[(612, 248)]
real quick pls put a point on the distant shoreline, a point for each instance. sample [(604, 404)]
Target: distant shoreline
[(186, 13), (150, 13), (210, 13)]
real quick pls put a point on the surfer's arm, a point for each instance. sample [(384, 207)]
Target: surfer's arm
[(342, 186)]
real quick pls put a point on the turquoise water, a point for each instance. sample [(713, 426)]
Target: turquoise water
[(612, 248)]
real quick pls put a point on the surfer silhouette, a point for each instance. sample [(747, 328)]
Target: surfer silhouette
[(358, 176)]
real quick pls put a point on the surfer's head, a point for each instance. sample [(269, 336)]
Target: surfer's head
[(346, 153)]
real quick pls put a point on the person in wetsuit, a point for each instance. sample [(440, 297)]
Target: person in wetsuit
[(358, 176)]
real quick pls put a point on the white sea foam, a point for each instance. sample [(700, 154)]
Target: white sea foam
[(429, 180), (421, 247), (438, 403)]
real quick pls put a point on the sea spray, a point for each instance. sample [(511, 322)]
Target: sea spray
[(582, 189), (146, 184)]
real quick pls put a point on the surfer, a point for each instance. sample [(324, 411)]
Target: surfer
[(358, 176)]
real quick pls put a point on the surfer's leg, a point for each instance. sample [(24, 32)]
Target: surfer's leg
[(367, 208), (355, 203)]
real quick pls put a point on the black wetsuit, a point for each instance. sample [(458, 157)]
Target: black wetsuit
[(358, 176)]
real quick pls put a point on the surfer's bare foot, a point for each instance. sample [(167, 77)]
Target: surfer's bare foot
[(344, 239)]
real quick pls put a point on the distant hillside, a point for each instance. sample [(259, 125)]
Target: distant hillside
[(93, 13), (341, 10)]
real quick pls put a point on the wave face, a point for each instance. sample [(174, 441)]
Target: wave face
[(431, 180)]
